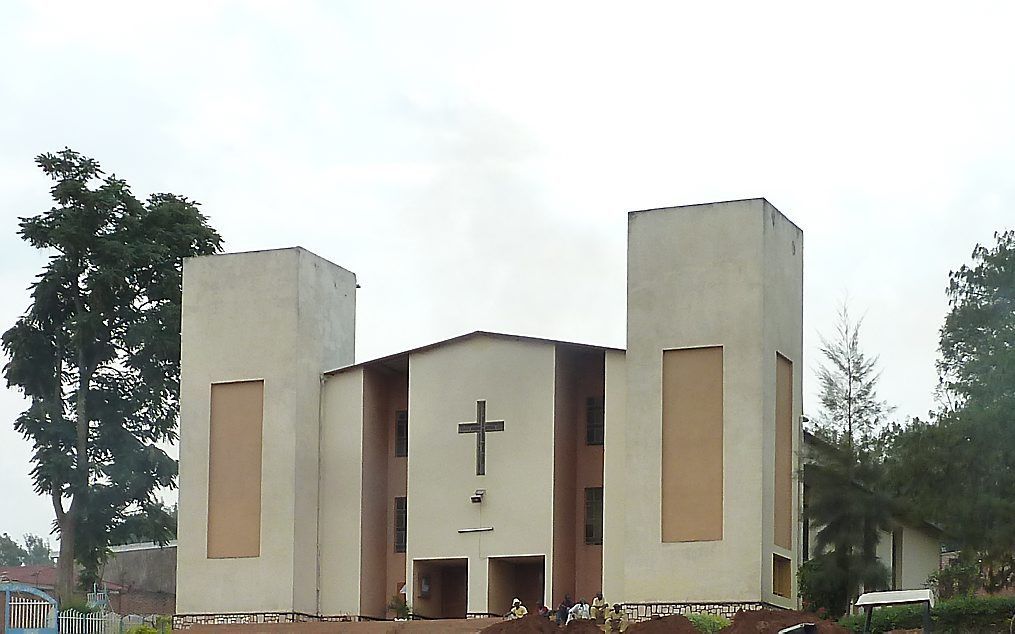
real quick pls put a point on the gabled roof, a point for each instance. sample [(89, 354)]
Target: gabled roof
[(399, 358)]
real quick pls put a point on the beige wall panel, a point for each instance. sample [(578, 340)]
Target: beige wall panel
[(614, 502), (341, 492), (783, 452), (692, 447), (234, 469), (516, 378)]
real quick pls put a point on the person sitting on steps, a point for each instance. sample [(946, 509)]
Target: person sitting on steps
[(517, 610)]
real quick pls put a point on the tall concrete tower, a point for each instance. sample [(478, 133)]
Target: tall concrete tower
[(707, 510), (258, 330)]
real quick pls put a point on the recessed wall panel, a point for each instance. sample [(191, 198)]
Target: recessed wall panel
[(234, 469), (692, 445), (783, 452)]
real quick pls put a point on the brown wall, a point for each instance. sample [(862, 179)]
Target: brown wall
[(384, 478), (577, 566), (783, 452), (692, 439), (234, 469), (398, 399)]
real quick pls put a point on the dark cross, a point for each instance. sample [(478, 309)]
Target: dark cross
[(480, 427)]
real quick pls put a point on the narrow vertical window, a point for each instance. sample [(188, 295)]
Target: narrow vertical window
[(401, 524), (896, 557), (805, 549), (401, 433), (595, 429), (594, 515)]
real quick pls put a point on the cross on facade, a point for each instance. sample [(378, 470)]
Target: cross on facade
[(480, 427)]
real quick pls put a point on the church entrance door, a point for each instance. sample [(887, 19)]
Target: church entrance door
[(512, 578), (441, 588)]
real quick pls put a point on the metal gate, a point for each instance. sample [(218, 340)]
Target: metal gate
[(27, 610)]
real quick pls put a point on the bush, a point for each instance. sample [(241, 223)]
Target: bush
[(963, 615), (708, 623), (958, 578), (142, 629)]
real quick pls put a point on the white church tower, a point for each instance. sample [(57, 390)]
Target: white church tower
[(702, 496), (258, 330)]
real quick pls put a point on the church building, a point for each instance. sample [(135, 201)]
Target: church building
[(470, 471)]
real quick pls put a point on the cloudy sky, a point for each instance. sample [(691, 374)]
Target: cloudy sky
[(473, 162)]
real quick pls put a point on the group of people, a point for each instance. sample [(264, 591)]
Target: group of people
[(611, 617)]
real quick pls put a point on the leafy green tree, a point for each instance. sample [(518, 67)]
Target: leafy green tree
[(851, 416), (11, 553), (960, 464), (843, 474), (97, 352), (36, 551)]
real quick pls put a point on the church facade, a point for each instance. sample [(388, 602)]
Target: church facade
[(465, 473)]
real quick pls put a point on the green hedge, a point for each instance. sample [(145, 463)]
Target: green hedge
[(708, 623), (964, 615)]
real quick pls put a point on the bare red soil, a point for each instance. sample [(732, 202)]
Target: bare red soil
[(771, 621), (530, 624)]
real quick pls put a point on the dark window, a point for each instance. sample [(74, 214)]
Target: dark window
[(594, 515), (401, 526), (401, 434), (595, 432), (806, 547)]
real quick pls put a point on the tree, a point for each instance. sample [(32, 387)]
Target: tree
[(36, 551), (97, 352), (851, 413), (11, 553), (843, 475), (960, 464)]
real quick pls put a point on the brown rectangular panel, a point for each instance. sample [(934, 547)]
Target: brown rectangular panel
[(783, 452), (782, 576), (692, 445), (234, 469)]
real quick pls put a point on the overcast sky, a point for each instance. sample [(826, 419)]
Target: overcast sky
[(473, 162)]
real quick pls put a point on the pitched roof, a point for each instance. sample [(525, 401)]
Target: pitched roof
[(400, 357), (40, 576)]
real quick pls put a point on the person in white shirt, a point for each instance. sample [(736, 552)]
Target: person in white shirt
[(579, 611)]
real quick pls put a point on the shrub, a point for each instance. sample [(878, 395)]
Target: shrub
[(958, 578), (708, 623), (142, 629), (959, 616)]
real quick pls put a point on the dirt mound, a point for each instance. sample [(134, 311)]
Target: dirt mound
[(771, 621), (583, 626), (529, 624), (675, 624)]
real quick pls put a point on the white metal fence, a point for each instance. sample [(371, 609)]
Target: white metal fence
[(31, 614), (74, 622)]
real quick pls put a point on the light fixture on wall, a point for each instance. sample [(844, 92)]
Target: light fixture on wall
[(477, 497)]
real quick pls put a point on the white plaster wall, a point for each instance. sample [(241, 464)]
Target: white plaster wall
[(698, 276), (283, 316), (614, 502), (782, 305), (921, 556), (516, 379), (340, 492)]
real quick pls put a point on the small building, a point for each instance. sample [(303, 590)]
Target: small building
[(145, 575), (488, 466), (911, 550)]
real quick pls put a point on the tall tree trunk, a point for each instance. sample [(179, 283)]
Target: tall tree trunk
[(65, 564)]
